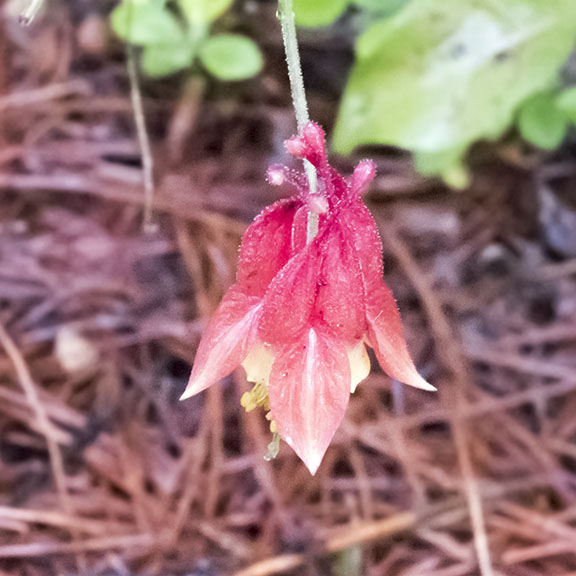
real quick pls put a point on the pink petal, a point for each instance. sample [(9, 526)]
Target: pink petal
[(290, 298), (386, 336), (385, 333), (340, 297), (309, 391), (361, 232), (266, 247), (227, 340)]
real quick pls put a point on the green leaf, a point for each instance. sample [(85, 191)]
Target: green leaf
[(203, 12), (447, 164), (145, 22), (457, 176), (381, 7), (231, 57), (165, 59), (566, 103), (438, 76), (541, 123), (318, 13), (437, 162)]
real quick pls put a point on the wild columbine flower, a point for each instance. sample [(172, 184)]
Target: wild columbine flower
[(300, 314)]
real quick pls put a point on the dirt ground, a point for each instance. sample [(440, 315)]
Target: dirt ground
[(104, 472)]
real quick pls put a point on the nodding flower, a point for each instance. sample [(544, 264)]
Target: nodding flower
[(302, 311)]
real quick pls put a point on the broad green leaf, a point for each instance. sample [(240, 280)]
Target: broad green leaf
[(541, 123), (142, 23), (203, 12), (166, 59), (566, 103), (317, 13), (382, 7), (448, 164), (231, 57), (439, 75), (437, 162)]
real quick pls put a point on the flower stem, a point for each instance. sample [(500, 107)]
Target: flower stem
[(286, 17), (143, 139)]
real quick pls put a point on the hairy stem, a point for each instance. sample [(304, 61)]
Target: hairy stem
[(286, 16)]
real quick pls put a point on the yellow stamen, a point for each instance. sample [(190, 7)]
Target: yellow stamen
[(258, 396), (273, 427), (258, 365)]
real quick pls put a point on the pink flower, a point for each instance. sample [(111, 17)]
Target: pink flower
[(300, 314)]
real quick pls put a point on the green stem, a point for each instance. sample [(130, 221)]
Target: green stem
[(143, 139), (286, 16)]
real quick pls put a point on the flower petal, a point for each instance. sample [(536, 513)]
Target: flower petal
[(340, 297), (227, 340), (385, 330), (359, 229), (266, 247), (386, 336), (309, 392), (290, 298)]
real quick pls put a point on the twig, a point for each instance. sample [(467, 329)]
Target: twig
[(140, 542), (142, 134), (537, 552), (58, 519), (40, 95)]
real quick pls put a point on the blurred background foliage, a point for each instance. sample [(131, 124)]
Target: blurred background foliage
[(176, 36), (430, 77)]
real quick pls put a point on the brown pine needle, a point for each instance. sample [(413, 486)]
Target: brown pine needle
[(454, 361), (55, 455)]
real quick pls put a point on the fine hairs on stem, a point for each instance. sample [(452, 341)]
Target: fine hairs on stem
[(286, 16)]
